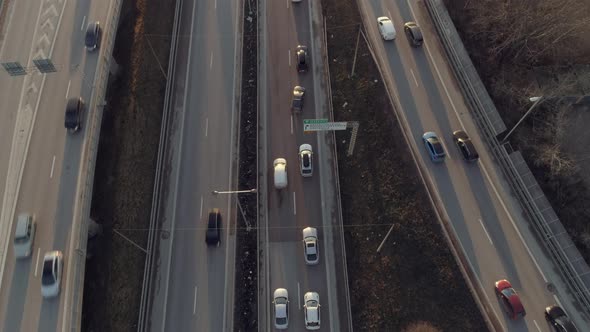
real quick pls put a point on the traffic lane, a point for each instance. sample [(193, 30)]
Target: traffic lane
[(208, 112), (194, 301), (421, 121), (18, 292), (289, 271)]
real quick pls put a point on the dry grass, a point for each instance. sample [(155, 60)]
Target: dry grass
[(125, 166), (414, 284)]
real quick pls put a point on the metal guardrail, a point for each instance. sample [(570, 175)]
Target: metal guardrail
[(560, 246), (90, 149), (142, 322)]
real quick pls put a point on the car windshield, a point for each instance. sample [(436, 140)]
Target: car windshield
[(47, 278), (281, 300), (438, 149), (281, 320), (508, 292), (306, 160)]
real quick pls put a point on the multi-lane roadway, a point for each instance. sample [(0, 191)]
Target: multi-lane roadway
[(35, 141), (197, 285), (484, 217)]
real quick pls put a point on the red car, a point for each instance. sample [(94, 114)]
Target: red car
[(510, 299)]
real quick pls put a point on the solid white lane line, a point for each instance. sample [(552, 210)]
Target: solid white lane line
[(486, 231), (52, 167), (291, 124), (201, 210), (68, 89), (83, 21), (206, 126), (289, 58), (485, 172), (537, 325), (211, 61), (195, 302), (298, 296), (37, 263), (294, 205), (414, 76)]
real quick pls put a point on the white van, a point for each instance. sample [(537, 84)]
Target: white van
[(280, 166)]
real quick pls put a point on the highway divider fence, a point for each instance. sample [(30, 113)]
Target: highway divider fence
[(541, 215)]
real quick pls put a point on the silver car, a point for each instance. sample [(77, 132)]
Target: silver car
[(281, 306), (24, 235), (306, 160), (310, 246), (51, 274)]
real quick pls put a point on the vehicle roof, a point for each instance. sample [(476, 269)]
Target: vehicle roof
[(21, 225), (304, 147), (310, 232)]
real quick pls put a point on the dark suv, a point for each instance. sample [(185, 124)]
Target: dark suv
[(465, 146), (414, 34), (213, 233), (298, 96), (73, 116), (559, 320), (92, 38), (301, 57)]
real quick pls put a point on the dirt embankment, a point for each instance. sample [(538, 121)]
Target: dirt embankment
[(543, 53), (125, 166), (414, 284)]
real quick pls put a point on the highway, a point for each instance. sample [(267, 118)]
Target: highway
[(197, 282), (33, 135), (302, 203), (487, 221)]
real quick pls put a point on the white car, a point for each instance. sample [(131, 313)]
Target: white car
[(311, 308), (305, 158), (281, 304), (386, 28), (280, 166), (51, 273), (310, 246)]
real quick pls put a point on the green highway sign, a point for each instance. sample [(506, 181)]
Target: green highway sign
[(323, 124)]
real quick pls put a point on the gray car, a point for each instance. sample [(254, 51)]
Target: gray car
[(24, 235)]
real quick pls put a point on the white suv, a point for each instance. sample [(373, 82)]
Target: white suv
[(311, 309), (306, 160)]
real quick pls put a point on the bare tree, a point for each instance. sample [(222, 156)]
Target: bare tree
[(527, 30)]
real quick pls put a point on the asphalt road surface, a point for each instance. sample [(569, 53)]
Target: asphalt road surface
[(290, 210), (488, 223), (52, 162), (197, 286)]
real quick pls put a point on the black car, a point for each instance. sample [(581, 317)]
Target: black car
[(413, 33), (559, 320), (301, 57), (213, 233), (73, 116), (92, 39), (465, 146), (298, 95)]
